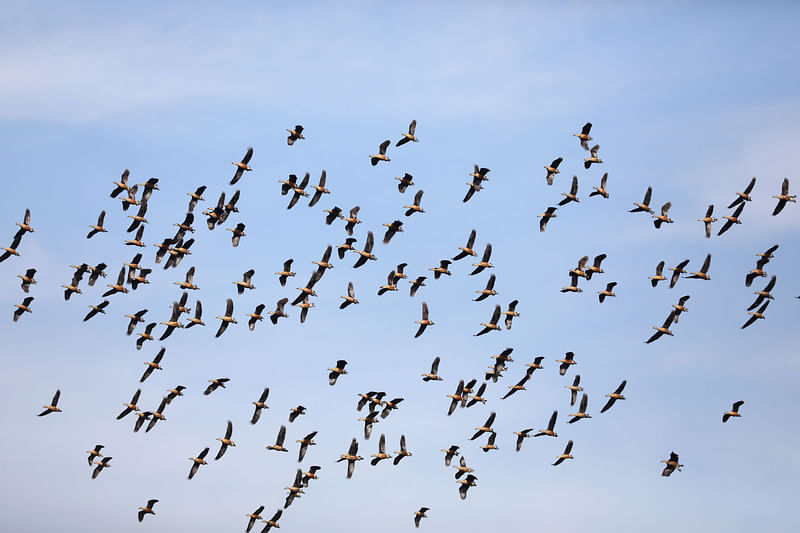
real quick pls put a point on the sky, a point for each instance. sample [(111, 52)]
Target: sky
[(691, 100)]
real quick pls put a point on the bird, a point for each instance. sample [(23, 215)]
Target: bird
[(255, 316), (419, 515), (138, 218), (488, 291), (742, 197), (305, 442), (76, 279), (351, 220), (147, 509), (366, 253), (178, 251), (456, 398), (130, 407), (486, 427), (278, 312), (409, 137), (594, 268), (546, 216), (381, 155), (645, 205), (581, 410), (703, 273), (392, 229), (23, 308), (758, 272), (149, 186), (299, 190), (659, 274), (153, 365), (574, 389), (566, 455), (174, 393), (492, 324), (733, 412), (286, 273), (572, 195), (424, 322), (520, 384), (381, 455), (783, 197), (100, 465), (601, 190), (245, 283), (573, 286), (731, 220), (350, 298), (27, 279), (295, 134), (403, 451), (279, 440), (197, 319), (336, 371), (351, 457), (217, 213), (680, 307), (242, 165), (118, 287), (707, 220), (237, 233), (311, 474), (614, 396), (142, 417), (441, 269), (227, 318), (295, 412), (663, 218), (416, 284), (607, 292), (272, 522), (255, 515), (53, 407), (342, 249), (94, 453), (763, 294), (511, 313), (433, 375), (521, 436), (449, 453), (214, 384), (755, 315), (173, 322), (157, 415), (195, 197), (552, 170), (25, 225), (260, 404), (677, 271), (478, 177), (197, 461), (295, 490), (466, 484), (225, 441), (405, 181), (137, 240), (587, 162), (663, 330), (569, 360), (11, 250), (415, 207), (550, 431), (98, 228), (369, 420), (146, 336), (672, 464), (319, 190), (122, 184), (467, 249), (584, 135), (484, 262)]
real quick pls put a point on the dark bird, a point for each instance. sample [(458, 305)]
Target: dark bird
[(174, 393), (173, 322), (305, 442), (295, 134), (351, 457), (23, 308), (742, 197), (157, 415), (255, 316), (118, 287), (311, 474), (573, 285), (336, 371), (278, 312), (550, 431), (680, 307), (225, 441), (394, 227), (607, 292), (546, 216), (416, 284), (492, 324), (272, 522), (671, 464), (731, 220), (424, 322), (601, 190), (419, 515), (198, 316), (245, 283), (587, 162), (260, 404), (478, 177), (659, 275), (153, 365), (455, 399), (783, 197), (350, 298), (138, 218), (466, 484), (449, 453), (645, 205), (227, 318), (299, 190), (366, 254), (614, 396), (255, 515), (11, 250), (342, 249), (758, 272), (552, 170), (584, 135), (486, 427), (572, 195), (755, 315), (663, 218), (677, 271), (130, 407), (237, 233), (520, 385), (369, 420), (319, 190), (214, 384), (433, 375), (727, 414), (467, 250), (488, 291), (137, 240), (279, 440), (581, 410), (148, 509), (415, 207), (94, 453), (484, 262), (511, 313), (441, 269), (122, 184), (53, 407), (568, 361), (566, 455), (403, 451), (381, 455), (662, 330), (27, 279), (242, 166), (146, 336), (707, 220), (295, 412), (405, 181), (763, 294), (351, 220), (197, 461), (409, 137), (332, 215), (195, 197), (381, 155), (703, 274), (286, 273), (574, 389), (98, 228), (295, 490)]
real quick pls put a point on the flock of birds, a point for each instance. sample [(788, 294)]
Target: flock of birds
[(467, 393)]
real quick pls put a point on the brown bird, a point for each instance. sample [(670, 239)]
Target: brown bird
[(319, 190), (148, 509), (98, 228), (703, 274), (225, 441), (581, 410), (197, 461), (488, 291), (484, 262), (449, 453), (305, 442), (255, 316), (295, 134), (568, 361), (663, 217), (486, 427), (286, 273), (733, 412), (23, 308), (278, 312), (351, 220), (680, 307), (255, 515), (299, 190), (659, 274), (214, 384), (381, 155), (350, 298), (195, 197), (242, 166), (478, 177), (295, 490), (198, 316), (731, 220), (138, 218), (552, 170), (672, 464), (394, 227), (146, 336), (153, 365), (295, 412), (707, 220), (572, 195), (272, 522), (645, 205), (53, 407), (756, 314), (403, 451), (407, 137), (351, 457), (433, 375), (336, 371), (11, 250), (550, 431), (587, 162), (663, 330), (574, 389), (492, 324), (405, 181), (122, 184), (130, 407), (260, 404), (614, 396), (419, 515), (763, 294), (584, 135), (677, 271), (366, 254), (467, 250), (455, 399), (27, 279), (546, 216), (136, 241), (607, 292), (742, 197), (381, 455), (441, 269), (173, 322), (95, 453), (511, 313), (342, 249), (227, 318), (415, 207), (566, 455), (758, 272), (237, 233), (601, 190), (279, 440), (157, 415), (245, 283), (783, 197)]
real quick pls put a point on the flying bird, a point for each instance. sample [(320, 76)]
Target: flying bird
[(242, 166), (410, 136)]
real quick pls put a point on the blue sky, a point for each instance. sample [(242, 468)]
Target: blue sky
[(690, 100)]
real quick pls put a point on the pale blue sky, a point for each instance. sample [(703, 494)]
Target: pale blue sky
[(690, 100)]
